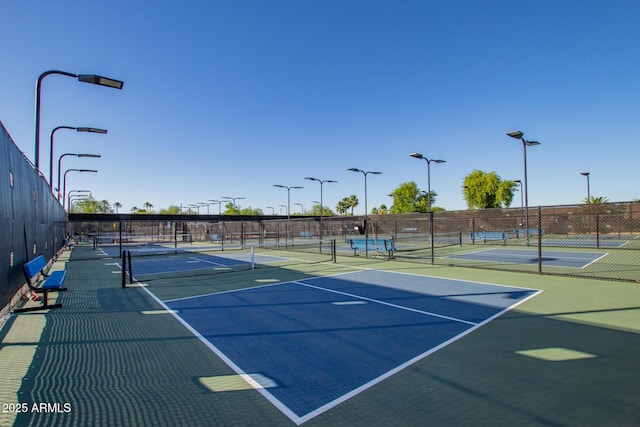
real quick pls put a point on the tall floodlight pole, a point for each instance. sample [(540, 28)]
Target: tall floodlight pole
[(420, 156), (60, 167), (233, 200), (321, 181), (288, 197), (77, 129), (78, 191), (586, 174), (429, 213), (519, 135), (366, 213), (85, 78), (219, 205), (64, 194), (286, 237)]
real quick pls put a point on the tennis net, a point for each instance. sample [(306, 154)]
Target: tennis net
[(143, 266)]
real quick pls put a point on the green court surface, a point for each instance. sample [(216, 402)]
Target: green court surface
[(114, 356)]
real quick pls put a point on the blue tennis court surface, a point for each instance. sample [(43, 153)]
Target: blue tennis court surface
[(585, 243), (525, 256), (144, 266), (312, 344)]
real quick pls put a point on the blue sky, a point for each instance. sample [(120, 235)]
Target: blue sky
[(227, 98)]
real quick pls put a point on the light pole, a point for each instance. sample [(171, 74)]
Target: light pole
[(321, 181), (588, 189), (78, 129), (420, 156), (366, 213), (64, 194), (71, 154), (77, 191), (429, 213), (219, 205), (301, 207), (75, 199), (233, 200), (517, 181), (273, 210), (519, 135), (86, 78), (288, 197)]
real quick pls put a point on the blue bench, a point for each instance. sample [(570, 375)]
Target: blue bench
[(532, 232), (390, 248), (52, 282), (489, 235), (305, 234), (373, 245), (360, 243)]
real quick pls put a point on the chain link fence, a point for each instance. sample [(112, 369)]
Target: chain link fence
[(595, 241)]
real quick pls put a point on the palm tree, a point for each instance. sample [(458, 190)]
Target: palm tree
[(147, 206), (596, 200), (353, 202), (134, 209), (117, 205)]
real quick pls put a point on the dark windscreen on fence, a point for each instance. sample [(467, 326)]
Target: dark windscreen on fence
[(32, 222), (595, 241)]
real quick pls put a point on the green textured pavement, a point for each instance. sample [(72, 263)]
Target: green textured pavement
[(113, 356)]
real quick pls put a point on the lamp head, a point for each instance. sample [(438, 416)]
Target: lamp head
[(417, 155), (101, 81), (515, 134), (92, 130)]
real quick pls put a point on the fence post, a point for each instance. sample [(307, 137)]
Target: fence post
[(130, 265), (473, 230), (124, 269), (431, 236), (597, 231), (539, 240)]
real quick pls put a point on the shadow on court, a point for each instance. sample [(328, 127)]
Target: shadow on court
[(117, 358)]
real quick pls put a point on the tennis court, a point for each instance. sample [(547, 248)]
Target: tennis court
[(307, 345), (147, 266), (550, 258), (307, 341)]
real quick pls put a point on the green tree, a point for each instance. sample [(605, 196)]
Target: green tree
[(171, 210), (251, 211), (231, 209), (596, 200), (408, 198), (91, 205), (353, 202), (382, 210), (347, 203), (487, 190), (315, 210)]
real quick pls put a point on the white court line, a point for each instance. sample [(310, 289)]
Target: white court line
[(281, 406), (401, 307), (597, 259)]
